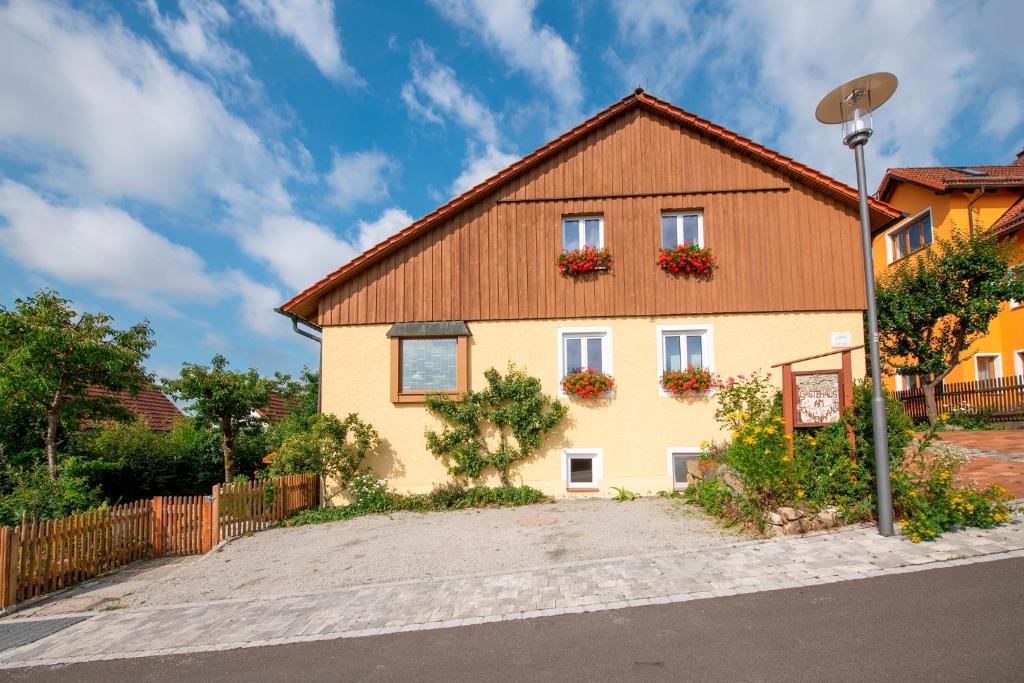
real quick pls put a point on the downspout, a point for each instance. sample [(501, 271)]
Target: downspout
[(970, 210), (319, 340)]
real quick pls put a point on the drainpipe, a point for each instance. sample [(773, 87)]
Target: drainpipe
[(319, 340), (970, 210)]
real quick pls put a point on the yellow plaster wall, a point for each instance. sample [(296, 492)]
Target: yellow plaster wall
[(634, 429), (1006, 333)]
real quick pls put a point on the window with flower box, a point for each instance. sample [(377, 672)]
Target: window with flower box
[(681, 229), (580, 348), (682, 347)]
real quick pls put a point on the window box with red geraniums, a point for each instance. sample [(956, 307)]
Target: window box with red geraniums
[(585, 260), (690, 381), (587, 383), (688, 259)]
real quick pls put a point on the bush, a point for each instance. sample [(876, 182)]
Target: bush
[(714, 497), (742, 397), (335, 449), (38, 497), (967, 418)]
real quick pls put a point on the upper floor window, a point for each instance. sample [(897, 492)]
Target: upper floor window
[(1017, 272), (678, 229), (911, 236), (582, 231)]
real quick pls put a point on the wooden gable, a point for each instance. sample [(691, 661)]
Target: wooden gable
[(780, 245)]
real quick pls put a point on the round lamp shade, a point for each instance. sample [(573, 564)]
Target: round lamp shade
[(872, 91)]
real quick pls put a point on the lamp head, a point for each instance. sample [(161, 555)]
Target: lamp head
[(851, 105)]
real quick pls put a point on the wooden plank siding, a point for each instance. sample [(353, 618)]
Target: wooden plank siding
[(780, 245)]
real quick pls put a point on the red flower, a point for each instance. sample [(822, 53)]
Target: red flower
[(695, 380), (587, 383), (584, 260)]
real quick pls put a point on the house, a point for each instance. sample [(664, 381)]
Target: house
[(149, 405), (934, 200), (475, 284), (277, 409)]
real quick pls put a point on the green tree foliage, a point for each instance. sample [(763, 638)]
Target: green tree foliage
[(51, 355), (34, 494), (333, 448), (226, 399), (512, 407), (934, 306)]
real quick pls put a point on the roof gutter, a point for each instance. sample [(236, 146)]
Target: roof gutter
[(319, 340), (970, 209)]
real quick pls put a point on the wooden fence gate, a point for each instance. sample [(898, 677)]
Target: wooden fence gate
[(37, 558)]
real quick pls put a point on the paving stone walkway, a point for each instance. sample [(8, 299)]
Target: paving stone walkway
[(585, 586)]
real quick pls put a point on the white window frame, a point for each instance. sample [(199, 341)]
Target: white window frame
[(605, 333), (1018, 362), (707, 349), (1014, 303), (595, 454), (583, 231), (998, 364), (679, 226), (901, 382), (672, 452), (890, 249)]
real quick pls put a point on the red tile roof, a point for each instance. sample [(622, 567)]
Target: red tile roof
[(1012, 219), (155, 409), (277, 409), (303, 304), (944, 178)]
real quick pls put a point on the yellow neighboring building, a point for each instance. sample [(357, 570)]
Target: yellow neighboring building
[(476, 284), (934, 200)]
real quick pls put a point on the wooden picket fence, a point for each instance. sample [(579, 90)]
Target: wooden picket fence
[(37, 558), (1004, 396)]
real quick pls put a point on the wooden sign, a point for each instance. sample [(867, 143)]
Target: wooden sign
[(817, 398)]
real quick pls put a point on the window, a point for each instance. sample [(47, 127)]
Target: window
[(910, 237), (581, 468), (1018, 272), (1018, 362), (428, 358), (584, 347), (678, 458), (678, 229), (683, 347), (905, 382), (988, 366), (582, 231)]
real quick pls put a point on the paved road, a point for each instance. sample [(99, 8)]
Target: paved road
[(945, 624)]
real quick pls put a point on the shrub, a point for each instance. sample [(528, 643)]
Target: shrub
[(714, 497), (587, 383), (967, 417), (759, 455), (520, 413), (335, 449), (38, 497), (622, 495), (742, 397)]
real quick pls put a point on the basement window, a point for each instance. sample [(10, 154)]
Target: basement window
[(581, 469), (428, 358)]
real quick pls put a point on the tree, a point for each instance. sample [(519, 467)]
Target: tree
[(520, 414), (225, 398), (52, 356), (333, 448), (933, 307)]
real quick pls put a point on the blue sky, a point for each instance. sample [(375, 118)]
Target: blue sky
[(196, 162)]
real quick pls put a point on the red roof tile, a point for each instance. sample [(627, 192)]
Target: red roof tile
[(943, 178), (155, 409), (1012, 219), (277, 409), (303, 304)]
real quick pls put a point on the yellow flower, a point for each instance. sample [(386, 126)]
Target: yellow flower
[(769, 430), (789, 436), (811, 440), (944, 417), (750, 440), (735, 434), (703, 445), (786, 458), (778, 419), (799, 493), (757, 430)]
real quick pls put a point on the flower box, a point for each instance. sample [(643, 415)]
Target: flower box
[(585, 260), (688, 259), (691, 381), (587, 383)]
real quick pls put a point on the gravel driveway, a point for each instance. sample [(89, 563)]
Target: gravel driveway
[(404, 546)]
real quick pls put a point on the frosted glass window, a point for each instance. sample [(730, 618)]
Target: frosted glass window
[(428, 364)]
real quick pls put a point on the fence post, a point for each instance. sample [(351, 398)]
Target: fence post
[(158, 526), (6, 543), (206, 528), (215, 516)]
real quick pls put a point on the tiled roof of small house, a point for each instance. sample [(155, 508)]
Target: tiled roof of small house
[(156, 410), (945, 178)]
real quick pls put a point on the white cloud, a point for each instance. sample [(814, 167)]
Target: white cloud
[(387, 224), (310, 23), (101, 248), (358, 178), (258, 302), (195, 34), (1004, 111), (535, 49), (102, 113), (438, 85), (480, 167)]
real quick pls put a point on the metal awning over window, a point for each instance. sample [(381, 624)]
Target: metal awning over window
[(444, 328)]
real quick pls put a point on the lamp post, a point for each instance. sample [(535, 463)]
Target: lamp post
[(851, 104)]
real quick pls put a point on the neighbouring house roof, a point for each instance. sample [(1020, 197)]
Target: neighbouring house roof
[(277, 409), (304, 304), (946, 178), (446, 328), (1012, 220), (151, 406)]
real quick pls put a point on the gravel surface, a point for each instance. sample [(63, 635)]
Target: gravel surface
[(404, 546)]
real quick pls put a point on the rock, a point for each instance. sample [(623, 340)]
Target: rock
[(826, 519), (774, 518), (730, 479), (791, 514), (794, 527)]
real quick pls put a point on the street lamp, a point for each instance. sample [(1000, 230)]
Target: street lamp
[(851, 104)]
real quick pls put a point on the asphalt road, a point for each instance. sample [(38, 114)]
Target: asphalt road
[(962, 623)]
